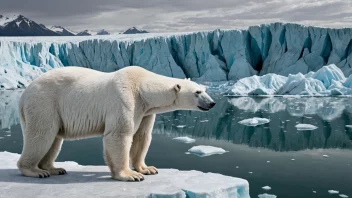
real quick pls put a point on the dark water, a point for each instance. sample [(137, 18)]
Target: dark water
[(266, 150)]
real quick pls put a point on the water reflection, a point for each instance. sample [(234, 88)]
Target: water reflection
[(330, 115)]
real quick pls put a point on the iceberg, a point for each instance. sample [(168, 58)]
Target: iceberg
[(327, 81), (184, 139), (83, 181), (219, 55), (259, 85), (305, 127), (203, 151), (254, 121)]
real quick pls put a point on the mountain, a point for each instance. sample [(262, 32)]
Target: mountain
[(62, 31), (92, 33), (19, 25), (102, 32), (134, 30), (85, 33)]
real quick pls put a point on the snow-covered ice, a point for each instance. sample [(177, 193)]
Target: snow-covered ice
[(254, 121), (95, 181), (333, 192), (203, 151), (184, 139), (266, 187), (305, 127), (265, 195)]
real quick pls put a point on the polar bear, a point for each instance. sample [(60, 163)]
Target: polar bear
[(75, 102)]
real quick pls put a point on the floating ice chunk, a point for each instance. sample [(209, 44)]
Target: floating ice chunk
[(314, 191), (258, 85), (184, 139), (333, 192), (349, 126), (343, 195), (265, 195), (329, 73), (305, 127), (326, 156), (254, 121), (329, 80), (181, 126), (298, 84), (203, 151), (266, 187), (204, 121)]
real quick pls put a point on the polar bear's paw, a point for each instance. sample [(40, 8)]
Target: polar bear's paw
[(35, 172), (147, 170), (57, 171), (128, 175)]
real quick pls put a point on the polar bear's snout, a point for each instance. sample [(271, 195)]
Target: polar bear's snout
[(205, 102)]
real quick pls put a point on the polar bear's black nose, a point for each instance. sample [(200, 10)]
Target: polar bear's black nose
[(212, 104)]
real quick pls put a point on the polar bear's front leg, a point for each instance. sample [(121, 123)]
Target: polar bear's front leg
[(140, 146), (117, 146)]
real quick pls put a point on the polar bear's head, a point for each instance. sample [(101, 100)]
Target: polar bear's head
[(192, 96), (165, 95)]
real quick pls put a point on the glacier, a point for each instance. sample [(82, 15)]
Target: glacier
[(219, 55), (327, 81), (85, 180)]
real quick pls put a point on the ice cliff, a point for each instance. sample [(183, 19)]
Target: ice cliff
[(217, 55)]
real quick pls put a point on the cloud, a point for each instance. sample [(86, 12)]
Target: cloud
[(181, 15)]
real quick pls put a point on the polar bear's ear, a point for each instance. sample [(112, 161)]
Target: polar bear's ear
[(177, 87)]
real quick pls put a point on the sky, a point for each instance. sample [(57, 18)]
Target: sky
[(179, 15)]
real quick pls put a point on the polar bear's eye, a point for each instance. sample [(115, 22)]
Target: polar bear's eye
[(198, 92)]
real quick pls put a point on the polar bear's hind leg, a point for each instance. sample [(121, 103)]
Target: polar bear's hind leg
[(39, 136), (47, 163)]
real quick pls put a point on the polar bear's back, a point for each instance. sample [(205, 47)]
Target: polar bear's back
[(79, 97)]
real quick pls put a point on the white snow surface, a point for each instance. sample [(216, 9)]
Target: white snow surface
[(203, 151), (184, 139), (254, 121), (95, 181), (327, 81)]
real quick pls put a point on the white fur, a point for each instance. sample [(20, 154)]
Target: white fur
[(75, 102)]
